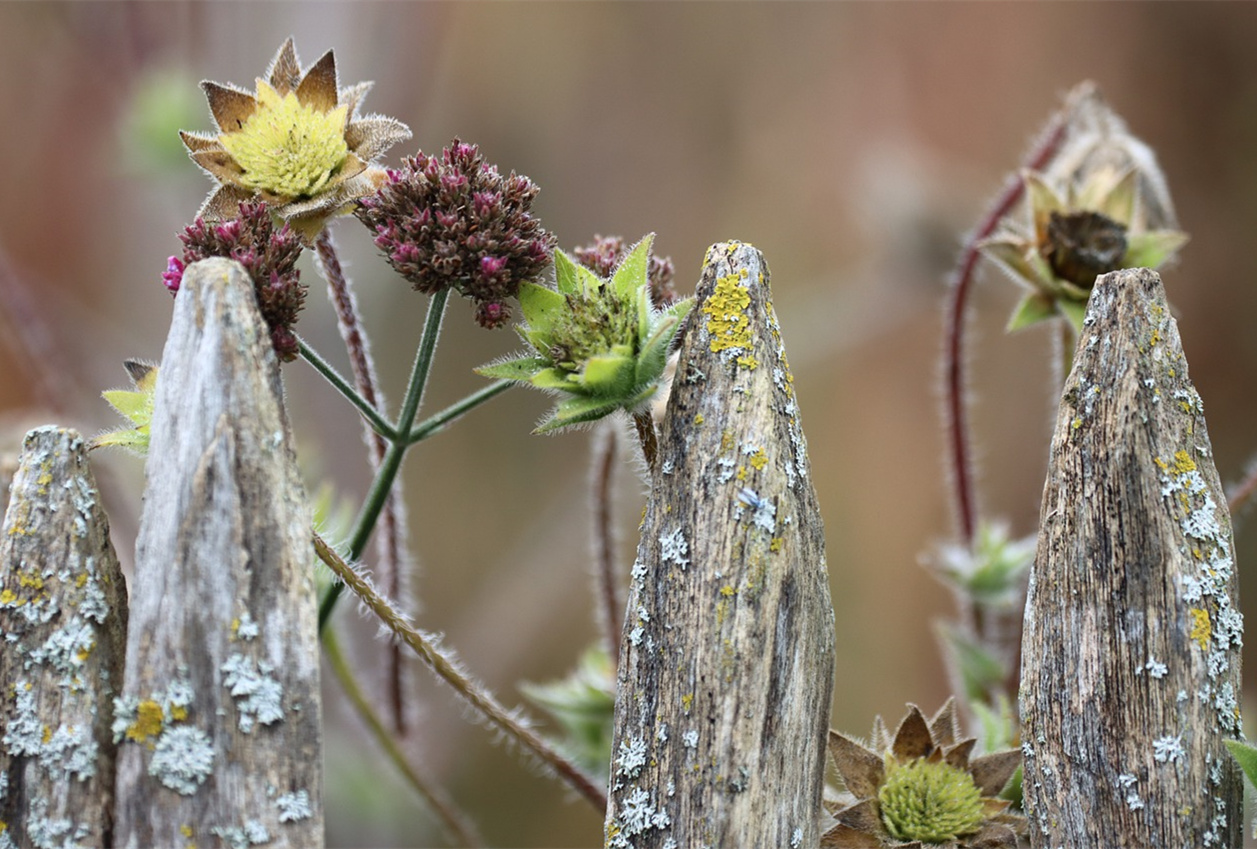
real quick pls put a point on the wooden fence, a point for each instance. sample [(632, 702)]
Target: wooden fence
[(191, 715)]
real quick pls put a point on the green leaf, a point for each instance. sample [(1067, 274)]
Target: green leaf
[(523, 368), (577, 410), (1043, 202), (565, 274), (542, 307), (1246, 756), (1034, 308), (653, 358), (979, 670), (1118, 202), (136, 407), (608, 375), (1074, 312), (1152, 248), (553, 378), (631, 274)]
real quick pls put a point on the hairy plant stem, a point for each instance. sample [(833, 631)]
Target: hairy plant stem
[(390, 464), (610, 606), (457, 825), (436, 423), (645, 425), (442, 664), (377, 422), (959, 285), (391, 543)]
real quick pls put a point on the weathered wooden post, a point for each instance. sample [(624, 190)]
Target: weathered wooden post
[(726, 665), (1131, 663), (63, 618), (220, 716)]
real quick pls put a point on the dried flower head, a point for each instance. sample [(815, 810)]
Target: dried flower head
[(267, 254), (1101, 204), (920, 789), (297, 143), (598, 342), (604, 253), (453, 221)]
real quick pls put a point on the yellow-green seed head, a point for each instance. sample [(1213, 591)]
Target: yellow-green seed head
[(288, 150), (931, 802)]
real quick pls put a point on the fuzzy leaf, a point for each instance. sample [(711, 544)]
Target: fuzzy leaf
[(979, 670), (523, 368), (556, 379), (653, 358), (1034, 308), (575, 411), (630, 275), (608, 375), (1246, 756), (136, 407), (1153, 247), (541, 307)]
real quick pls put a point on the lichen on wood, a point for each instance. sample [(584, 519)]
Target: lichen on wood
[(220, 715), (63, 620), (726, 663), (1131, 663)]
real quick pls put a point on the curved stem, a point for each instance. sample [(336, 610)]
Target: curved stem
[(436, 423), (447, 668), (610, 606), (457, 825), (386, 475), (392, 537), (378, 423), (959, 285)]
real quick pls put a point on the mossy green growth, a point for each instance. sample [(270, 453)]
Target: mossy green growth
[(598, 343), (929, 801)]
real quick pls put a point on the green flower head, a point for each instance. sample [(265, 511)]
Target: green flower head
[(921, 788), (1100, 205), (599, 343)]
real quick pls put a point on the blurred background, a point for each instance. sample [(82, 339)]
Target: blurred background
[(854, 144)]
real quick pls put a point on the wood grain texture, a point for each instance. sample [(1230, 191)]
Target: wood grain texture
[(726, 665), (222, 714), (63, 621), (1131, 663)]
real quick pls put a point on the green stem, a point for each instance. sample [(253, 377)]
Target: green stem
[(444, 665), (458, 826), (378, 423), (392, 461), (434, 424)]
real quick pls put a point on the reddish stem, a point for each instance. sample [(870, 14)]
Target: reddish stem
[(391, 528), (605, 442), (959, 285)]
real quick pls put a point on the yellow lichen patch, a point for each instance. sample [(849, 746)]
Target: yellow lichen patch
[(81, 580), (726, 441), (29, 579), (1202, 628), (776, 544), (1183, 463), (687, 702), (1076, 423), (7, 596), (235, 627), (747, 362), (727, 591), (148, 720), (727, 322), (698, 419), (178, 713), (85, 652), (47, 733), (759, 459)]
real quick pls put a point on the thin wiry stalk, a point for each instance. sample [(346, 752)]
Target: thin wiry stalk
[(378, 423), (436, 423), (605, 587), (457, 825), (390, 541), (959, 285), (444, 666)]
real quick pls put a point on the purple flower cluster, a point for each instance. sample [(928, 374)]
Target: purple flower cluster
[(452, 221), (267, 254), (604, 255)]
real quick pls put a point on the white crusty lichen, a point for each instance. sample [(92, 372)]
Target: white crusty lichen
[(259, 697), (674, 548), (631, 757), (183, 758), (294, 807)]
